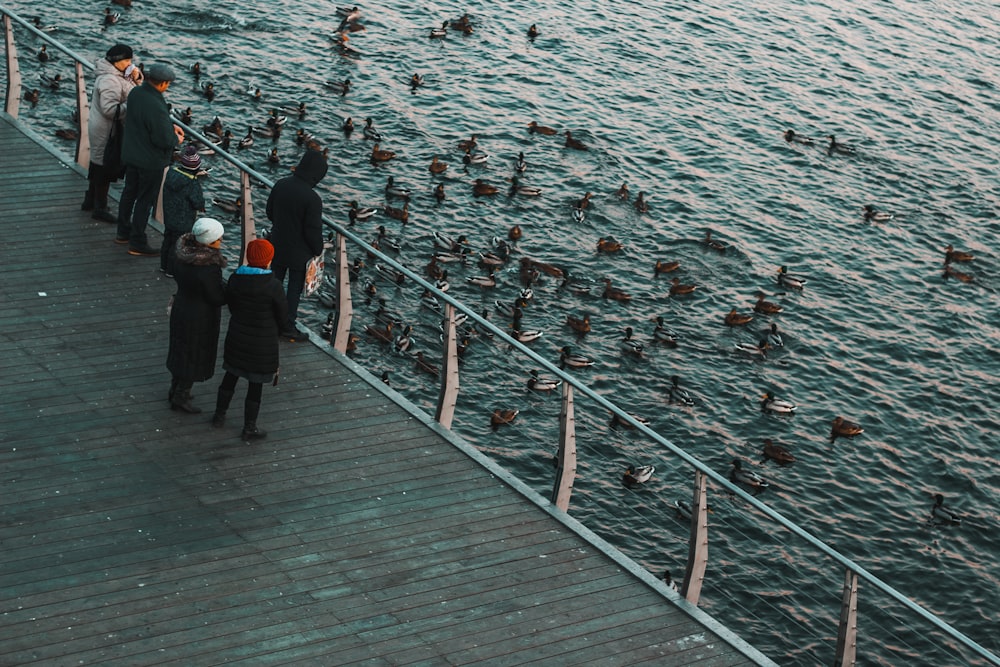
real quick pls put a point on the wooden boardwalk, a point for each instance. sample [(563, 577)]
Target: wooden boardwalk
[(358, 532)]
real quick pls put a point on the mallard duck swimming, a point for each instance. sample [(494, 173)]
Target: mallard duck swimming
[(769, 403), (574, 143), (482, 281), (734, 319), (793, 138), (403, 341), (393, 191), (437, 167), (844, 429), (837, 147), (491, 260), (746, 477), (520, 166), (579, 324), (381, 334), (535, 128), (383, 241), (467, 144), (369, 131), (629, 345), (774, 338), (712, 244), (379, 155), (766, 307), (613, 292), (542, 383), (776, 452), (579, 215), (622, 193), (873, 215), (532, 31), (401, 214), (440, 33), (483, 189), (665, 267), (501, 417), (524, 190), (525, 336), (429, 301), (442, 282), (568, 358), (526, 294), (758, 350), (788, 280), (390, 274), (356, 212), (608, 245), (474, 158), (247, 141), (663, 335), (678, 288), (952, 255), (424, 365), (416, 81), (641, 205), (509, 309), (943, 514), (445, 242), (228, 205), (635, 475), (677, 394)]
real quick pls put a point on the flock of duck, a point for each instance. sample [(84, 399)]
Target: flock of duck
[(396, 332)]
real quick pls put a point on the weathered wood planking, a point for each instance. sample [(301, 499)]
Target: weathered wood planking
[(356, 532)]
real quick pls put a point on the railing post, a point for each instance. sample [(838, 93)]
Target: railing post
[(345, 313), (562, 489), (697, 561), (847, 635), (246, 214), (13, 103), (449, 371), (83, 115)]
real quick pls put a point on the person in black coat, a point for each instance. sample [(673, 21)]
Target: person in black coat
[(257, 310), (196, 312), (296, 211)]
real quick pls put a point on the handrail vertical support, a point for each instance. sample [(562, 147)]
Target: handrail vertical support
[(847, 635), (13, 102), (697, 561), (345, 312), (245, 211), (449, 371), (83, 116), (562, 489)]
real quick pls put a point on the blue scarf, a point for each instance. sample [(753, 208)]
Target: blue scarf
[(251, 271)]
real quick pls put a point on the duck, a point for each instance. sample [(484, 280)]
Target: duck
[(618, 422), (247, 141), (369, 131), (482, 281), (952, 255), (546, 268), (273, 157), (381, 334), (535, 128), (501, 417), (31, 96), (440, 33), (678, 288), (734, 319), (951, 272), (665, 267), (429, 301), (760, 349), (208, 90), (608, 245), (532, 31), (342, 87), (390, 274), (630, 345), (678, 394), (273, 120), (575, 144), (569, 358), (228, 205), (401, 214), (776, 452), (943, 514), (539, 383), (491, 260), (357, 212), (416, 81), (778, 406), (793, 138), (837, 147), (214, 128), (71, 135), (641, 205), (445, 242), (441, 282), (873, 215), (746, 477), (43, 54), (766, 307), (383, 241), (111, 18), (526, 294), (622, 193), (712, 244), (525, 336), (579, 324), (349, 13), (509, 309), (393, 191), (302, 137), (663, 335), (524, 190), (786, 279), (483, 189), (613, 292), (403, 341), (635, 475), (844, 429), (467, 145), (446, 257), (436, 166), (424, 365), (584, 201), (520, 166), (54, 82), (380, 155), (439, 195), (774, 337), (579, 215), (474, 158), (515, 233)]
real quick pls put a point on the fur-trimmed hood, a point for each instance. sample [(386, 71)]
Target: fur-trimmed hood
[(189, 251)]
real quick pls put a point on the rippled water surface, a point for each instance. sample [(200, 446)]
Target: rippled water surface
[(687, 102)]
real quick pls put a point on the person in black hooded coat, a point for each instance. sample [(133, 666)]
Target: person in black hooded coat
[(296, 211), (196, 312), (257, 310)]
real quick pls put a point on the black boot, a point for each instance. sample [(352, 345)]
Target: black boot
[(182, 399), (221, 405), (250, 430), (88, 200)]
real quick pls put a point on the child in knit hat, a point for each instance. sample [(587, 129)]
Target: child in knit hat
[(183, 200)]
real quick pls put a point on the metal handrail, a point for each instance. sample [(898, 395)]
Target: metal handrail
[(621, 414)]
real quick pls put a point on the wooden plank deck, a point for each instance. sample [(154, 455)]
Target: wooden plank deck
[(358, 532)]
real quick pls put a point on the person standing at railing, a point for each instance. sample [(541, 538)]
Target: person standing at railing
[(296, 211), (148, 148), (183, 200), (115, 78)]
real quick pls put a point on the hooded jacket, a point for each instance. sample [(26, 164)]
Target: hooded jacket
[(149, 139), (182, 198), (197, 311), (111, 88), (295, 211)]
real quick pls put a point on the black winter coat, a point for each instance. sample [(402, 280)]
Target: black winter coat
[(149, 139), (197, 310), (257, 309), (296, 211)]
